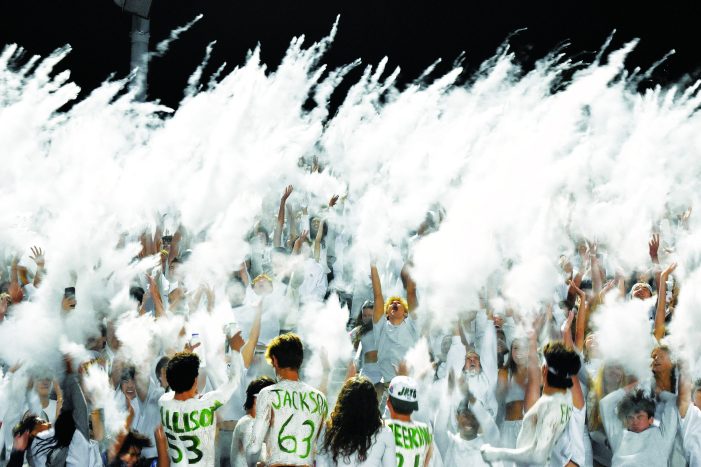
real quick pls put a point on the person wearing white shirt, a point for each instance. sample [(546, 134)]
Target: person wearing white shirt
[(478, 367), (689, 404), (244, 427), (142, 394), (394, 325), (355, 434), (636, 437), (289, 414), (548, 418), (189, 419), (461, 431)]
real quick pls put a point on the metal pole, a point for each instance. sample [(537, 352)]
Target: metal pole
[(140, 33)]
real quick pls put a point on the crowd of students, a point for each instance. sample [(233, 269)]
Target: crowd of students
[(505, 386)]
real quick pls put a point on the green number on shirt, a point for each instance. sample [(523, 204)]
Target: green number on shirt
[(281, 439), (308, 439), (179, 456), (400, 460), (193, 448), (292, 439)]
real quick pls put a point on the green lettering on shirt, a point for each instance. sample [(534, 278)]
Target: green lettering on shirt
[(287, 400), (194, 419), (277, 404), (303, 401), (176, 428)]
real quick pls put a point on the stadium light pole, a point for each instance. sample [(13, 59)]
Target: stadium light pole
[(140, 11)]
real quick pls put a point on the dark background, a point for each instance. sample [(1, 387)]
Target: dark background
[(412, 34)]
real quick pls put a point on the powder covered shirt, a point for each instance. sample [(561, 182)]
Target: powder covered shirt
[(393, 342), (190, 425), (542, 425), (289, 416), (412, 440)]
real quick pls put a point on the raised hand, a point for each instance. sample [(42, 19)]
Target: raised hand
[(667, 271), (654, 247), (288, 191), (333, 201), (236, 342), (38, 257), (190, 347)]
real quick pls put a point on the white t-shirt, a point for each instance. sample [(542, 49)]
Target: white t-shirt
[(542, 425), (382, 453), (691, 433), (315, 283), (240, 439), (146, 415), (289, 416), (412, 440), (190, 425), (393, 342)]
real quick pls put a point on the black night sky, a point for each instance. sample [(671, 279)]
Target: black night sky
[(412, 34)]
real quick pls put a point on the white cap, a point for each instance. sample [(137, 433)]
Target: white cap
[(404, 389)]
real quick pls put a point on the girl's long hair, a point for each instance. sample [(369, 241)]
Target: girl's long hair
[(354, 422), (64, 428)]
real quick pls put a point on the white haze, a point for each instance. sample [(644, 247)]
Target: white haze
[(520, 171)]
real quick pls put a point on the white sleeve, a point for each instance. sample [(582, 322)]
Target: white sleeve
[(224, 392), (488, 354), (609, 417), (691, 433), (548, 427), (261, 426), (455, 360)]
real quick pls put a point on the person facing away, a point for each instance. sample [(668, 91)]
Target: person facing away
[(355, 434), (413, 440), (244, 427), (290, 413), (548, 418), (189, 418), (636, 438)]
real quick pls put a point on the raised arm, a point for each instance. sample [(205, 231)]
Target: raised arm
[(249, 348), (534, 375), (581, 320), (317, 241), (410, 286), (155, 293), (74, 400), (596, 281), (548, 427), (277, 235), (662, 301), (38, 258), (379, 308)]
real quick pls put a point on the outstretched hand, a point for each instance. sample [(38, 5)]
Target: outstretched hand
[(654, 247), (38, 257)]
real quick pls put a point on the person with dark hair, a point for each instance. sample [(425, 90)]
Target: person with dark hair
[(355, 433), (129, 453), (142, 394), (364, 342), (462, 430), (413, 440), (289, 414), (161, 367), (635, 438), (243, 430), (188, 418), (67, 442), (548, 418)]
